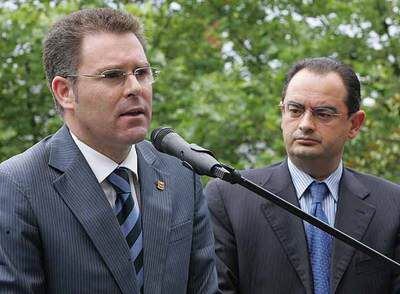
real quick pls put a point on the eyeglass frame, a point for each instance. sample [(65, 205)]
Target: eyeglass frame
[(154, 73), (314, 111)]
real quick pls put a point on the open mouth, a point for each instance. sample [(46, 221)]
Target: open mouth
[(133, 113)]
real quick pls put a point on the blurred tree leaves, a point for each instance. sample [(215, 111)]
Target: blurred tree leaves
[(223, 64)]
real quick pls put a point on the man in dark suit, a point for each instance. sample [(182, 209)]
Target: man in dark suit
[(94, 208), (261, 248)]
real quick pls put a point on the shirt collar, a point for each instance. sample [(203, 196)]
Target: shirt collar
[(302, 180), (101, 165)]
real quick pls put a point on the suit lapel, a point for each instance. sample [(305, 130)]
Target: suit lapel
[(79, 189), (156, 216), (288, 228), (352, 217)]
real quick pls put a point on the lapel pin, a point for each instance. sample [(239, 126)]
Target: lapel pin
[(160, 185)]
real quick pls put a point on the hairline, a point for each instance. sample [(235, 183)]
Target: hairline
[(323, 66)]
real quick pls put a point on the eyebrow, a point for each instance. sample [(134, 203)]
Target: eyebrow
[(119, 66), (333, 108)]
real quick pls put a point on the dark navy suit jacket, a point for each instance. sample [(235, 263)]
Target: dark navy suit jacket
[(58, 233), (261, 248)]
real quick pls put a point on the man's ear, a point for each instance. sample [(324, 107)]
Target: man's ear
[(357, 120), (63, 92)]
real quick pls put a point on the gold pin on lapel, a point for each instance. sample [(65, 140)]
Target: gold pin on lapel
[(160, 185)]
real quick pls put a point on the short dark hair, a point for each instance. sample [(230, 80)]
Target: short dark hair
[(325, 65), (61, 50)]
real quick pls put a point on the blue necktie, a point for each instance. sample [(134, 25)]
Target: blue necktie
[(319, 242), (128, 215)]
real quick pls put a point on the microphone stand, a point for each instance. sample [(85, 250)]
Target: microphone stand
[(230, 175)]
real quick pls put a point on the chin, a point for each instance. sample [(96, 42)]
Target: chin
[(306, 154), (136, 136)]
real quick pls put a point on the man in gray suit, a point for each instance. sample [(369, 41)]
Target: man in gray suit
[(262, 248), (94, 208)]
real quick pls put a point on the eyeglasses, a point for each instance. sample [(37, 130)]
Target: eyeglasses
[(144, 75), (323, 114)]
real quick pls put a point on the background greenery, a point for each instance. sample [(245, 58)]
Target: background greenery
[(223, 64)]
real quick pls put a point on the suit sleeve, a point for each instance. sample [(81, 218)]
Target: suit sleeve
[(225, 244), (202, 272), (21, 268), (396, 274)]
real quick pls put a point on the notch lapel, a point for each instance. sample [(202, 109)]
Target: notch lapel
[(79, 189), (156, 215), (352, 217), (288, 228)]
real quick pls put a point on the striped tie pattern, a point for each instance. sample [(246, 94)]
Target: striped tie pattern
[(319, 242), (128, 216)]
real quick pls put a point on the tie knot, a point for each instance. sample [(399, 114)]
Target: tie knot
[(318, 191), (119, 179)]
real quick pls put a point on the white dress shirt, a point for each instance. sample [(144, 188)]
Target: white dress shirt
[(102, 166), (302, 180)]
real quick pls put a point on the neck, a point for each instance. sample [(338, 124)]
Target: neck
[(117, 156), (117, 153), (317, 168)]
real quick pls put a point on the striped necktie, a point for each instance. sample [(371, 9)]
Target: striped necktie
[(128, 215), (319, 242)]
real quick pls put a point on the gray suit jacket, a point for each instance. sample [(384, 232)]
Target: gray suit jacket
[(58, 233), (261, 248)]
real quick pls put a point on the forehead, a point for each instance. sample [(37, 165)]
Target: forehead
[(312, 88), (101, 50)]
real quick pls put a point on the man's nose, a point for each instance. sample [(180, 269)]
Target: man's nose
[(307, 121), (132, 84)]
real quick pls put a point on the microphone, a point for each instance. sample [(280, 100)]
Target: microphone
[(201, 160)]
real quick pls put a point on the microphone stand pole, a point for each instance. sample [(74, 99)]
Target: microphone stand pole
[(230, 175)]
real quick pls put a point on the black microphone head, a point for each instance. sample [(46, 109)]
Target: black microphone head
[(157, 135)]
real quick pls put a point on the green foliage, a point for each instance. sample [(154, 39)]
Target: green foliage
[(223, 64)]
